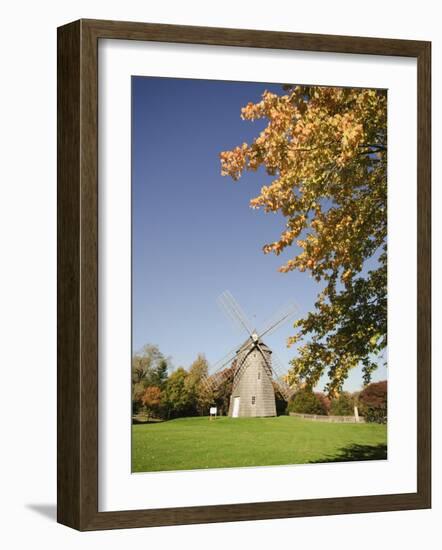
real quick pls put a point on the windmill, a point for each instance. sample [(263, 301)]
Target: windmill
[(252, 367)]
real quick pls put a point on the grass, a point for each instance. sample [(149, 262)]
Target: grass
[(194, 443)]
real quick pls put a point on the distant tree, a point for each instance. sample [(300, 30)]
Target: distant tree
[(342, 405), (176, 398), (149, 368), (373, 402), (137, 392), (195, 387), (206, 399), (307, 402), (151, 400), (144, 363), (158, 374), (325, 401)]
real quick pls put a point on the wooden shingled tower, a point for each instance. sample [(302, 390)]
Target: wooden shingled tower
[(252, 391)]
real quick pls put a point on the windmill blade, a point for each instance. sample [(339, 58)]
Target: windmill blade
[(234, 311), (278, 319), (213, 381), (279, 372), (266, 360), (229, 314), (228, 358), (223, 362), (278, 368), (218, 369), (241, 362), (283, 387)]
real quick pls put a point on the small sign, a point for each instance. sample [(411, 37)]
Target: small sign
[(212, 410)]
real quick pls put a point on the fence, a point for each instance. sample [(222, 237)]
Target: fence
[(329, 418)]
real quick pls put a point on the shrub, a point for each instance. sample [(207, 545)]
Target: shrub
[(307, 402), (377, 415), (342, 405), (373, 402)]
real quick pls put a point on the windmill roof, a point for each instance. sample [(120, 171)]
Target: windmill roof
[(248, 342)]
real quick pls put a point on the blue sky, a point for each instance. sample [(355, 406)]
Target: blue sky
[(193, 232)]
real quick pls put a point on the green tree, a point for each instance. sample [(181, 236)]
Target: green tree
[(195, 387), (343, 405), (307, 402), (176, 398), (326, 149), (144, 363), (158, 376)]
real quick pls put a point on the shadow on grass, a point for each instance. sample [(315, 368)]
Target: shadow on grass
[(357, 452)]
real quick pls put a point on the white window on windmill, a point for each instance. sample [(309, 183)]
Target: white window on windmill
[(253, 399)]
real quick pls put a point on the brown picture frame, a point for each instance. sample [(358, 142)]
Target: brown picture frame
[(77, 224)]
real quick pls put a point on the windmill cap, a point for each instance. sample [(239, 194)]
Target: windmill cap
[(246, 344)]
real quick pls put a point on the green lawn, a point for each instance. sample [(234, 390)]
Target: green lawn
[(192, 443)]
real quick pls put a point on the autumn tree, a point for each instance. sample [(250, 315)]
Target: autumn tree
[(373, 402), (195, 386), (151, 400), (326, 150), (176, 397), (149, 367)]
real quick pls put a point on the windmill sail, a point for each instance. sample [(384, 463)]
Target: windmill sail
[(234, 311)]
